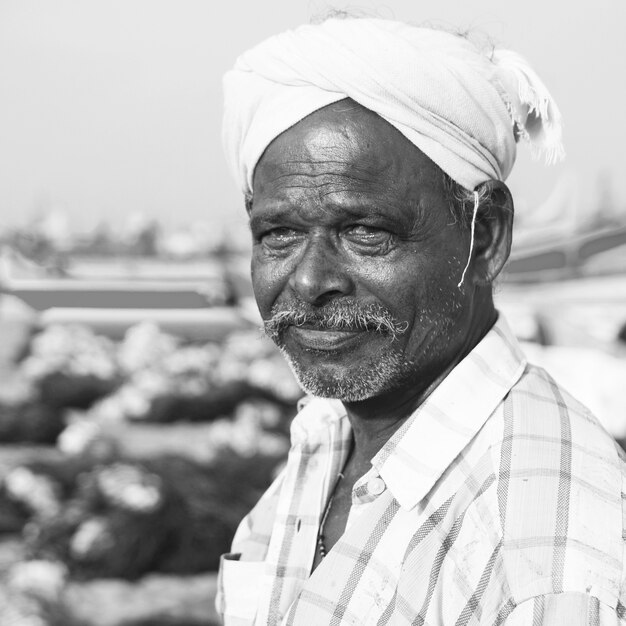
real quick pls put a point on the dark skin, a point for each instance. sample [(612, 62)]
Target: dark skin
[(346, 207)]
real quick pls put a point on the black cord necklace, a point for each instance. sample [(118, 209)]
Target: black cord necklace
[(321, 546)]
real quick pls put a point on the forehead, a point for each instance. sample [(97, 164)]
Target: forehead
[(349, 148)]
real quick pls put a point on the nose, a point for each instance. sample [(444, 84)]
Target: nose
[(319, 274)]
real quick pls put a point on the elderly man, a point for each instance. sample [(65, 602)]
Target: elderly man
[(435, 477)]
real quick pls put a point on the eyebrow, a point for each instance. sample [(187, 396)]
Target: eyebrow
[(282, 211)]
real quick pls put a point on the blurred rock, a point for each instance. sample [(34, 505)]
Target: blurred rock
[(30, 422), (58, 390), (127, 518)]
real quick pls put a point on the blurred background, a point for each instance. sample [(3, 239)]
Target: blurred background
[(142, 413)]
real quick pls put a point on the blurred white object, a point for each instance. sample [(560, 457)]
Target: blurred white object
[(71, 349), (37, 492), (41, 579), (78, 435), (143, 344), (92, 536), (593, 377)]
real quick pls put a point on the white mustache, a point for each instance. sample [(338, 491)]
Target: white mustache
[(335, 316)]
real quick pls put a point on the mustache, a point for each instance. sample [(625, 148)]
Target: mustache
[(336, 315)]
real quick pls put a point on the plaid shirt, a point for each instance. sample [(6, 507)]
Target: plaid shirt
[(499, 501)]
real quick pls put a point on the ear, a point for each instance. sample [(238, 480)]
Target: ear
[(493, 231), (248, 203)]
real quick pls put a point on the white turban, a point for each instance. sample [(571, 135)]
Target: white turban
[(463, 108)]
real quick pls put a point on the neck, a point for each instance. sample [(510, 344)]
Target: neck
[(375, 420)]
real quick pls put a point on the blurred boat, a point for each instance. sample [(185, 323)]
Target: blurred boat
[(201, 324), (599, 252), (117, 285), (193, 300)]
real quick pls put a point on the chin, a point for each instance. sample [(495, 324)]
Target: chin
[(352, 383)]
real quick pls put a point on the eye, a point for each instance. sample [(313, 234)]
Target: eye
[(363, 235), (279, 238)]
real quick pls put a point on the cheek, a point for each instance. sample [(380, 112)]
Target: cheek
[(268, 281), (420, 290)]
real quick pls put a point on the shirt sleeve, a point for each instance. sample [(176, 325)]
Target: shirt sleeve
[(571, 608)]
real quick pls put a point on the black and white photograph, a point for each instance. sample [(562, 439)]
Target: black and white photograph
[(312, 313)]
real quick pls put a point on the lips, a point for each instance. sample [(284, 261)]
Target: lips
[(323, 339)]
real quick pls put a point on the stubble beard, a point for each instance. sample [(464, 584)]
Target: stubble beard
[(387, 368), (383, 370), (380, 373)]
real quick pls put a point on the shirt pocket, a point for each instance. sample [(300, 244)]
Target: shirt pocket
[(239, 589)]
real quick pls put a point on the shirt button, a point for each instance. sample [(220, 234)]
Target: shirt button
[(376, 486)]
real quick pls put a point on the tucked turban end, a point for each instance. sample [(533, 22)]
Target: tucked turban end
[(534, 112), (463, 108)]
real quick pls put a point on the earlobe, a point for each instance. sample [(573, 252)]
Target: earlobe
[(494, 229), (248, 203)]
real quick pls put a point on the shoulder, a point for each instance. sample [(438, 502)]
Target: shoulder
[(571, 608), (309, 426), (560, 493)]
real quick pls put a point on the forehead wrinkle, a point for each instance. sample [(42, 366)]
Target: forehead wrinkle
[(341, 185), (345, 164), (365, 178), (367, 194)]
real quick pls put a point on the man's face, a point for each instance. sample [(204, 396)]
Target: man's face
[(356, 256)]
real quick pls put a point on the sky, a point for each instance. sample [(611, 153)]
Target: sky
[(112, 107)]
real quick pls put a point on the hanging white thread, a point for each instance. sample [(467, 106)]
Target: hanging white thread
[(473, 228)]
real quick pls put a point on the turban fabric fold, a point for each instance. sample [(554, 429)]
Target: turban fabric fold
[(465, 109)]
